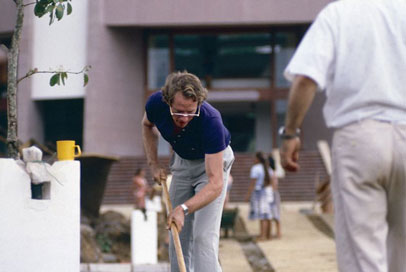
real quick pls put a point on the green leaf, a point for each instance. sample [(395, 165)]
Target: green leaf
[(51, 18), (50, 8), (69, 8), (59, 11), (39, 10), (64, 76), (86, 79), (55, 79)]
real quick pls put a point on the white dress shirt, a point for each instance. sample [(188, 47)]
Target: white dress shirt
[(356, 51)]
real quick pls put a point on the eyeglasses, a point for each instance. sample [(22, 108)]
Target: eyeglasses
[(180, 114)]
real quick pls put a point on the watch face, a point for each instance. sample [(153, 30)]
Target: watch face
[(185, 209), (283, 135), (281, 131)]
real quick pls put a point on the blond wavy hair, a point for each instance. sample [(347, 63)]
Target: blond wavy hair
[(184, 82)]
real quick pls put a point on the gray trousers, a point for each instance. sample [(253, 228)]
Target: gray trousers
[(369, 190), (201, 232)]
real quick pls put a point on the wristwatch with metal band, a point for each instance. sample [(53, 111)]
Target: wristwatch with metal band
[(284, 136), (185, 209)]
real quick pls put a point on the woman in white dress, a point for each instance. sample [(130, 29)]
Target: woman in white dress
[(260, 194)]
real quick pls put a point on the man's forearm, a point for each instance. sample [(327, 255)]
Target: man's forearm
[(208, 193), (150, 140), (300, 98), (214, 172)]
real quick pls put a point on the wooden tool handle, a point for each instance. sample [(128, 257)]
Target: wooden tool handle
[(174, 230)]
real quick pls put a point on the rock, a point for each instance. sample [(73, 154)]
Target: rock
[(113, 231), (108, 238), (114, 225), (109, 258), (87, 219), (89, 249)]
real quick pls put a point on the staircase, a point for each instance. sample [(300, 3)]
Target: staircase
[(300, 186)]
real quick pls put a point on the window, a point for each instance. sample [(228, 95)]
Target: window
[(242, 129), (236, 60), (63, 120), (225, 60), (285, 45), (158, 61)]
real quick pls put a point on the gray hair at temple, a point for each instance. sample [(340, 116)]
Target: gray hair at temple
[(184, 82)]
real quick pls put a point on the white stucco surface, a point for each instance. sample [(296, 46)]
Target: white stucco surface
[(60, 46), (144, 238), (40, 235)]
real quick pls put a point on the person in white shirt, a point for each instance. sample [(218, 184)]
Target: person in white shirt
[(260, 195), (356, 52)]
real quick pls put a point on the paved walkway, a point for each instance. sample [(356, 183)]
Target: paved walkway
[(302, 247), (232, 257), (124, 268)]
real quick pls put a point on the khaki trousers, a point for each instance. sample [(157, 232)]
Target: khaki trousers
[(369, 191), (201, 232)]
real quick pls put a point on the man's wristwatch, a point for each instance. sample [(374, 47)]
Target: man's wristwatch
[(185, 209), (284, 136)]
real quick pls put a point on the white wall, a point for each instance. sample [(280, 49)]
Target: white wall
[(62, 43), (39, 235)]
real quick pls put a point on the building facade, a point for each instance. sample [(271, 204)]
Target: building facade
[(238, 48)]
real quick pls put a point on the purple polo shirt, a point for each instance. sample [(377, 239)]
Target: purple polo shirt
[(205, 134)]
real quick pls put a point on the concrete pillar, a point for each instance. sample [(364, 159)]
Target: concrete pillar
[(144, 238)]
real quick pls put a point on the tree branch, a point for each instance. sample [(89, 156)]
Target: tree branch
[(26, 5), (35, 71), (12, 140)]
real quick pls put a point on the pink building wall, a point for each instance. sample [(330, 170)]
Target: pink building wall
[(7, 16), (210, 12), (115, 95)]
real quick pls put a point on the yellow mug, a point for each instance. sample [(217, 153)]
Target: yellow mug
[(66, 150)]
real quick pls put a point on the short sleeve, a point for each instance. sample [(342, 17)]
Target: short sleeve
[(151, 107), (254, 173), (315, 54), (213, 136)]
